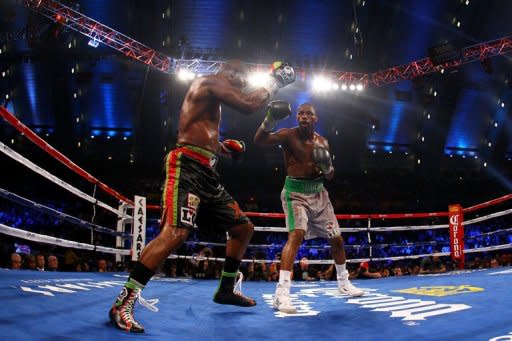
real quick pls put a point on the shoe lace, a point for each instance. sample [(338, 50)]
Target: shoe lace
[(149, 304), (237, 290)]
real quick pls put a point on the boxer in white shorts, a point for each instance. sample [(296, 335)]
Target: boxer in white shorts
[(308, 210)]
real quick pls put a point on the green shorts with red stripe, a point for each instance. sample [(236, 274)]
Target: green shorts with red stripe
[(192, 193)]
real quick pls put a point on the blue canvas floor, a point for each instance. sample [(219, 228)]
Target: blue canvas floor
[(471, 305)]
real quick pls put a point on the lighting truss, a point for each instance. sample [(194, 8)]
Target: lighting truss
[(96, 31)]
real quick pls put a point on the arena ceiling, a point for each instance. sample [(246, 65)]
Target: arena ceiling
[(94, 102)]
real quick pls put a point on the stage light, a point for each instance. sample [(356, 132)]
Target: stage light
[(321, 83), (503, 104), (344, 87), (485, 164), (419, 161), (185, 75), (93, 43), (428, 116), (489, 144), (258, 79), (359, 87), (352, 87), (335, 86), (495, 124)]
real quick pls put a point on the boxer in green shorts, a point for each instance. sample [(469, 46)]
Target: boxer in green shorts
[(308, 210)]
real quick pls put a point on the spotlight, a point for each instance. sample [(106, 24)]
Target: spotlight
[(321, 83), (352, 87), (258, 79), (503, 104), (335, 86), (185, 75), (359, 87), (93, 43), (344, 87)]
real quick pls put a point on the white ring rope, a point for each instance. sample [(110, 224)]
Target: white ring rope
[(57, 214), (485, 217), (41, 238), (11, 231), (32, 166), (394, 228)]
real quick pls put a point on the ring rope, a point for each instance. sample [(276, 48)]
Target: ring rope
[(41, 238), (57, 214), (11, 231), (32, 166), (34, 138)]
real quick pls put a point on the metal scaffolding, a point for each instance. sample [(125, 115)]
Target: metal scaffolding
[(100, 33)]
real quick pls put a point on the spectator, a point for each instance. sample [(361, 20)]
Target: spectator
[(365, 273), (102, 265), (397, 271), (40, 262), (305, 272), (431, 265), (15, 261), (31, 262), (53, 263)]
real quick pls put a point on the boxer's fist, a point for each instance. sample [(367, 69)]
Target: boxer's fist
[(322, 160), (276, 111), (235, 148), (283, 73)]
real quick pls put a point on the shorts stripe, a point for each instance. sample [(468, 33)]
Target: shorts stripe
[(172, 171), (290, 217)]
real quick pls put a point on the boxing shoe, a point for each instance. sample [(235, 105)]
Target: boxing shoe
[(231, 298), (281, 300), (347, 288), (121, 313)]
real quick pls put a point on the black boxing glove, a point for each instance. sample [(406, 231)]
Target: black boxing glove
[(276, 111), (322, 160)]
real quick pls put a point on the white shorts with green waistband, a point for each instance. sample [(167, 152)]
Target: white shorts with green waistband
[(307, 207)]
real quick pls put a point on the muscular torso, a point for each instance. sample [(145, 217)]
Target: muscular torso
[(298, 153), (199, 118)]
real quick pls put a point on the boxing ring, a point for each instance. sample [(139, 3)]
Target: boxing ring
[(468, 304)]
